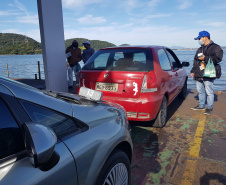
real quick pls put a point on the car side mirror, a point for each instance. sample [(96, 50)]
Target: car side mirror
[(185, 64), (40, 142)]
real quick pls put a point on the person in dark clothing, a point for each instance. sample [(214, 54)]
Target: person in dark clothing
[(204, 85), (74, 55), (88, 52)]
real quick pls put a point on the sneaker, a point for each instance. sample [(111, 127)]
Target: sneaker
[(197, 108), (208, 111)]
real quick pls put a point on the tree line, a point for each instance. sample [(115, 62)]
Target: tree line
[(16, 44)]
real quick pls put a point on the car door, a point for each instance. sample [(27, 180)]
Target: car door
[(169, 76), (15, 166), (177, 68)]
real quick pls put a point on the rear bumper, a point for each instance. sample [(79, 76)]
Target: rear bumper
[(144, 108)]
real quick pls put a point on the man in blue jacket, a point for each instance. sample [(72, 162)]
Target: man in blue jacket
[(204, 85), (88, 52)]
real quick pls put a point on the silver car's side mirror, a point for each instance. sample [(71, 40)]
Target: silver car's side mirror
[(40, 142)]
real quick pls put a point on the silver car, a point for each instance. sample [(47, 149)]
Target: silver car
[(60, 138)]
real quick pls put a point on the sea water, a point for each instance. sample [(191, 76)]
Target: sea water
[(26, 66)]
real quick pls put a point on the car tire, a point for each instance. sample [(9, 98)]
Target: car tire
[(116, 170), (183, 92), (160, 120)]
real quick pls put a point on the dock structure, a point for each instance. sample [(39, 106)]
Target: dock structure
[(190, 149)]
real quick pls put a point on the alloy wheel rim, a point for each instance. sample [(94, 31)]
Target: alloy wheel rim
[(117, 176)]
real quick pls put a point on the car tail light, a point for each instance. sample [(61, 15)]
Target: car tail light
[(149, 83), (143, 115)]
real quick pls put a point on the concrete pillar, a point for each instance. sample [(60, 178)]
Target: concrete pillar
[(53, 44)]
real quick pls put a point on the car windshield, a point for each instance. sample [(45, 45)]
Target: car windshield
[(121, 59)]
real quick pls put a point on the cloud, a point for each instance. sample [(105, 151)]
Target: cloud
[(148, 35), (29, 19), (89, 19), (184, 4), (130, 5), (71, 4), (8, 13), (213, 24), (145, 35), (159, 15), (153, 3), (220, 7), (21, 7), (11, 31)]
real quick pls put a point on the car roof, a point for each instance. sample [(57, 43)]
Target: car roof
[(135, 47), (31, 94)]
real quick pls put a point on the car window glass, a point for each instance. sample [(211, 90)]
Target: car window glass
[(121, 59), (101, 61), (117, 56), (61, 124), (175, 62), (11, 139), (139, 57), (164, 60)]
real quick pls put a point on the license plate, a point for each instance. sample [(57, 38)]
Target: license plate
[(107, 86)]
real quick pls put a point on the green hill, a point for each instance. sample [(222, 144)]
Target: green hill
[(95, 44), (16, 44)]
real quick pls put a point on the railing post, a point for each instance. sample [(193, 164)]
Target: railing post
[(39, 72), (7, 70)]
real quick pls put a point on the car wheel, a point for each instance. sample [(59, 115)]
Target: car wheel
[(160, 120), (183, 92), (116, 170)]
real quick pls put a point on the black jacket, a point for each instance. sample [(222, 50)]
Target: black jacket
[(211, 50)]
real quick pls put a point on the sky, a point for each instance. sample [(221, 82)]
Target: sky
[(135, 22)]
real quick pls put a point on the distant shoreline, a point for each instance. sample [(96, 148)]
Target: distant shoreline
[(181, 49)]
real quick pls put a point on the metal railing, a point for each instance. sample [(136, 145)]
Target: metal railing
[(17, 70)]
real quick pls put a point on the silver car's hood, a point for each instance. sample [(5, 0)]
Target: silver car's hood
[(93, 113), (98, 113)]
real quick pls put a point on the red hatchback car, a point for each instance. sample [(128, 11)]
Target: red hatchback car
[(143, 79)]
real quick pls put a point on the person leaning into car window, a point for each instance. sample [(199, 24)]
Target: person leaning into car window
[(74, 55), (204, 85)]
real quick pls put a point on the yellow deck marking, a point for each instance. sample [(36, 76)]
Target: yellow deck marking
[(189, 172)]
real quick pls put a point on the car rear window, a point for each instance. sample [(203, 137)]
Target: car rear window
[(121, 60)]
